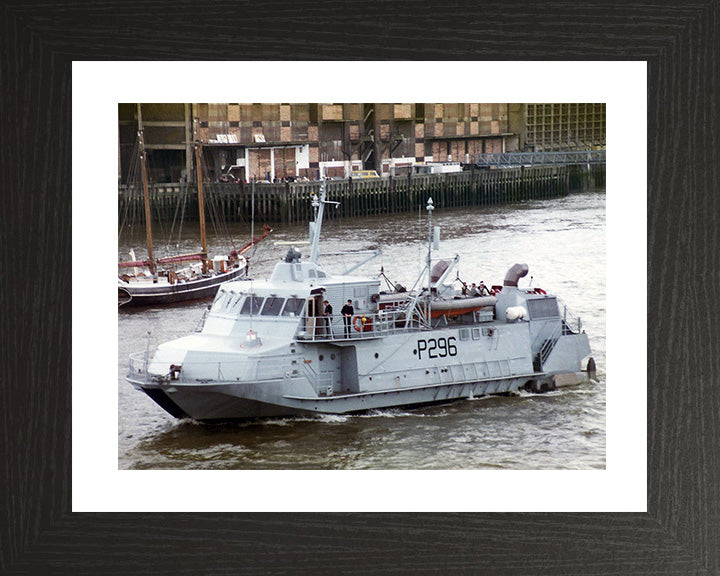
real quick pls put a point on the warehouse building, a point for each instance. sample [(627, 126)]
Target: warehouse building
[(272, 142)]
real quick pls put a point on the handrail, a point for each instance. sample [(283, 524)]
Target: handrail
[(549, 344), (139, 365), (570, 319), (541, 158), (363, 326)]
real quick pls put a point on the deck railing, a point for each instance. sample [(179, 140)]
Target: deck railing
[(194, 371), (359, 326), (572, 324)]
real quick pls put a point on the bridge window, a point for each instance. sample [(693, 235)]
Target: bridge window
[(272, 306), (293, 307), (543, 308), (252, 305)]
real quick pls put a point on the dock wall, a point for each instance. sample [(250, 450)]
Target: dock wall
[(289, 202)]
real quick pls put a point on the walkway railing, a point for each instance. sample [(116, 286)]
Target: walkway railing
[(242, 370), (572, 324), (359, 326), (541, 158)]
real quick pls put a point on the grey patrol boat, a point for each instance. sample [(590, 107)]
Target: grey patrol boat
[(266, 349)]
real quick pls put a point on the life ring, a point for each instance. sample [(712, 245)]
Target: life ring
[(362, 323), (540, 291), (358, 323)]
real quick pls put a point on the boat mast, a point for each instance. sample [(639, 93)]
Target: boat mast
[(252, 214), (429, 209), (319, 207), (201, 200), (143, 170)]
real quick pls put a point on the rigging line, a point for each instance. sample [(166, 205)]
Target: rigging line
[(226, 228), (213, 210), (219, 216), (217, 220), (185, 192), (181, 207), (171, 238), (223, 224), (126, 203), (207, 193), (162, 237), (158, 239), (158, 217), (261, 253), (134, 180), (129, 200)]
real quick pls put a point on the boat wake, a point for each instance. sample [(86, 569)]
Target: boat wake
[(527, 394), (389, 413), (292, 420)]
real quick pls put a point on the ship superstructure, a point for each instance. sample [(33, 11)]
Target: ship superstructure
[(268, 348)]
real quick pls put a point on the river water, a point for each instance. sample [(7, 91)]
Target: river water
[(562, 241)]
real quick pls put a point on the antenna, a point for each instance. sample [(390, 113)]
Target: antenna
[(430, 207), (251, 295), (318, 205), (251, 337), (318, 210), (252, 214)]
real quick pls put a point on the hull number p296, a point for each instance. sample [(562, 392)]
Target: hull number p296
[(437, 347)]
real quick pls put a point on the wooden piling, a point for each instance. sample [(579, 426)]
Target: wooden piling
[(289, 202)]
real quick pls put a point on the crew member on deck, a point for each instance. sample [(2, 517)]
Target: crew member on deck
[(347, 312), (327, 312)]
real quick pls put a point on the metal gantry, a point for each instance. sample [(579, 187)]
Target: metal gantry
[(541, 158)]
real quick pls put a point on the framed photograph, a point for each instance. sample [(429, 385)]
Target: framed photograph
[(70, 509)]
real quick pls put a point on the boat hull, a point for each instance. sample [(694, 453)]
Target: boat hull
[(149, 294), (354, 375), (232, 401)]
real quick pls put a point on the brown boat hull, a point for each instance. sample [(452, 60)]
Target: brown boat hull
[(149, 294)]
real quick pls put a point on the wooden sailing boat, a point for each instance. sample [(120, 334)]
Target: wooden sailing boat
[(179, 278)]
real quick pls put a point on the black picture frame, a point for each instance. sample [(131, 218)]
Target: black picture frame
[(680, 533)]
